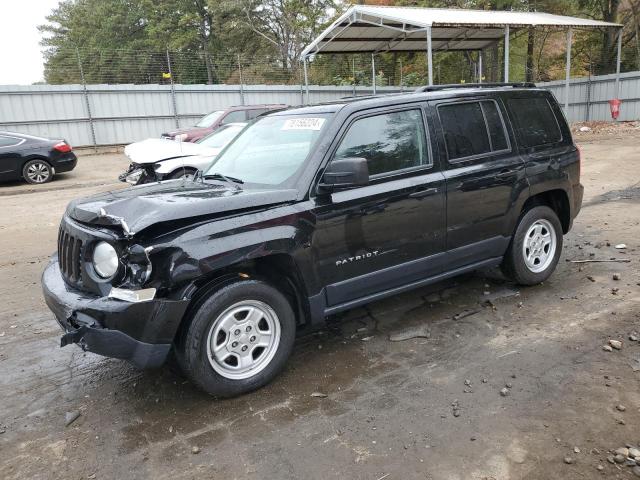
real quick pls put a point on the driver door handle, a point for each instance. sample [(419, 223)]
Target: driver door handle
[(505, 173), (424, 193)]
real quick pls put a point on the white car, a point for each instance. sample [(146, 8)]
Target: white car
[(157, 159)]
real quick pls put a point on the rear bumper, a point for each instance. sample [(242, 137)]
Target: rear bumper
[(578, 193), (140, 333), (65, 163)]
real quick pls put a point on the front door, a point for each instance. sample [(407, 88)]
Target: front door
[(484, 175), (391, 232)]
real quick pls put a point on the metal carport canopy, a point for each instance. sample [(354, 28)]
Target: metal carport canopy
[(372, 29)]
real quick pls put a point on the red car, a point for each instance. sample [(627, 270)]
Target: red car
[(211, 121)]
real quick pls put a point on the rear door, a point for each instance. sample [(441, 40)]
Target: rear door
[(10, 157), (484, 178), (391, 232)]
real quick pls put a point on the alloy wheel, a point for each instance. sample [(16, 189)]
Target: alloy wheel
[(539, 246), (38, 172), (243, 339)]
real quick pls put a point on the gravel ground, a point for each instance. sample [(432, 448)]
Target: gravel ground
[(510, 385)]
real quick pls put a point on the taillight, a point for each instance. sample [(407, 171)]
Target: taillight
[(62, 147), (579, 161)]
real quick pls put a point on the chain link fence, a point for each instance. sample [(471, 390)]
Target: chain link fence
[(540, 58), (118, 96)]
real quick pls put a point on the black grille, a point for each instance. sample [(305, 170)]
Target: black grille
[(69, 256)]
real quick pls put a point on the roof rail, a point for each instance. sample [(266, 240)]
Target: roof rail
[(435, 88)]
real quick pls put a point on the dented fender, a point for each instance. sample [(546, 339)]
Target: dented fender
[(188, 255)]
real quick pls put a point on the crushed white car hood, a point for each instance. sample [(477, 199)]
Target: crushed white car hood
[(154, 150)]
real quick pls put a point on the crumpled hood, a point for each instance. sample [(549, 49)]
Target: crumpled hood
[(154, 150), (137, 208)]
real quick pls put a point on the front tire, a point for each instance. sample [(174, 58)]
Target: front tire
[(239, 338), (535, 247), (37, 171)]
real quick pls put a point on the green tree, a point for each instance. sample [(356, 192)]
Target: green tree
[(289, 25)]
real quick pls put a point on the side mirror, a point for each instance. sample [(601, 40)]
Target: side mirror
[(345, 173)]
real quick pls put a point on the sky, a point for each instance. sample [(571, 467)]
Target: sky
[(20, 52)]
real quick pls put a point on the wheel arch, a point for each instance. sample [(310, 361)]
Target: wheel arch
[(557, 200), (277, 269), (180, 169), (35, 156)]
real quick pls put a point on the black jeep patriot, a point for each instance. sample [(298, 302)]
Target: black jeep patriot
[(311, 211)]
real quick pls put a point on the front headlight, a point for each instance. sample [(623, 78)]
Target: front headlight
[(105, 260), (134, 177), (181, 137)]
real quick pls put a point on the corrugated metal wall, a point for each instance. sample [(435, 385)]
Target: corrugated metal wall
[(122, 114), (589, 98)]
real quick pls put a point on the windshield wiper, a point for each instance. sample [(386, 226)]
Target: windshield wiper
[(219, 176)]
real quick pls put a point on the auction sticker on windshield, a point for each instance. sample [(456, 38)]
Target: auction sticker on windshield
[(305, 123)]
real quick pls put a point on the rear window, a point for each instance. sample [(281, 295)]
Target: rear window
[(535, 122), (472, 128)]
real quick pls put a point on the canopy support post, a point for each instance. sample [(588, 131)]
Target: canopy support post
[(480, 66), (373, 72), (618, 63), (429, 56), (306, 79), (567, 79), (506, 54)]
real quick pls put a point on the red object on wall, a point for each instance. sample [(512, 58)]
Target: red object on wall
[(614, 105)]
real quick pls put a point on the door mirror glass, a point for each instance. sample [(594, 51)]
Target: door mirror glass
[(345, 173)]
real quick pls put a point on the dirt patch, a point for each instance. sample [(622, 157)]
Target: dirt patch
[(593, 131)]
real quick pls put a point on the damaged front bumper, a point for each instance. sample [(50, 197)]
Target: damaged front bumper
[(139, 174), (140, 332)]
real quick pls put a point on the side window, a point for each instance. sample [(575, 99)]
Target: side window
[(254, 113), (472, 128), (535, 122), (9, 141), (235, 116), (495, 126), (390, 142), (465, 132)]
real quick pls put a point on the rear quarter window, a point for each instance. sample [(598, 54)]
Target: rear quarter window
[(251, 114), (534, 121), (9, 141), (235, 116)]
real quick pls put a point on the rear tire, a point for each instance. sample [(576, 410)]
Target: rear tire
[(37, 171), (535, 248), (239, 338)]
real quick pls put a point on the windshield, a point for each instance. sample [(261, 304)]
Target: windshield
[(221, 137), (271, 150), (209, 119)]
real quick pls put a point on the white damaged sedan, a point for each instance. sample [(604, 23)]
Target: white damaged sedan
[(157, 159)]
